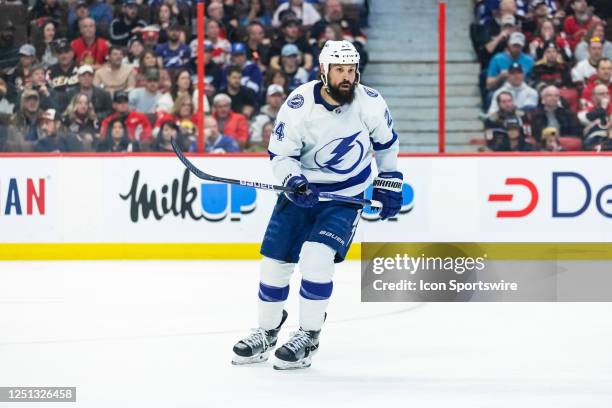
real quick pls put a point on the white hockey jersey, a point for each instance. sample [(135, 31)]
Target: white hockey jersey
[(332, 146)]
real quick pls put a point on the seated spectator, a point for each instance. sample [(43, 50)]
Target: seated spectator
[(602, 77), (9, 51), (114, 76), (221, 46), (100, 99), (181, 85), (126, 25), (148, 60), (508, 136), (536, 13), (63, 75), (7, 107), (166, 17), (275, 96), (251, 75), (137, 124), (45, 42), (243, 99), (135, 50), (217, 142), (24, 125), (492, 37), (212, 71), (303, 11), (80, 120), (150, 36), (78, 13), (88, 48), (291, 35), (174, 54), (182, 111), (551, 69), (551, 114), (232, 124), (545, 35), (117, 140), (497, 73), (48, 10), (258, 48), (494, 9), (576, 26), (100, 11), (262, 146), (23, 71), (257, 13), (595, 117), (550, 141), (588, 67), (37, 82), (523, 96), (51, 139), (290, 66), (146, 99), (274, 76), (168, 131), (597, 31)]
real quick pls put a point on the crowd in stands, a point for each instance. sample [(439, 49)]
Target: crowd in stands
[(121, 75), (546, 73)]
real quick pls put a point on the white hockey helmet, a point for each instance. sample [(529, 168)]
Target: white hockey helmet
[(338, 52)]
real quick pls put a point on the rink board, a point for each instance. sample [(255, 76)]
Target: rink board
[(129, 207)]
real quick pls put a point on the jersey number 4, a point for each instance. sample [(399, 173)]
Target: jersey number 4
[(279, 131)]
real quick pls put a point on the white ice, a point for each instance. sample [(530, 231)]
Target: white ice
[(159, 334)]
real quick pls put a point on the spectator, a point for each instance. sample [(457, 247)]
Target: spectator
[(290, 66), (174, 54), (510, 136), (100, 99), (243, 99), (127, 25), (303, 11), (89, 49), (550, 140), (231, 123), (80, 119), (182, 111), (257, 49), (538, 12), (548, 34), (63, 75), (602, 77), (25, 123), (135, 50), (80, 12), (551, 69), (117, 140), (23, 71), (274, 76), (257, 13), (597, 31), (146, 99), (217, 142), (37, 82), (181, 85), (48, 10), (9, 52), (251, 74), (7, 107), (137, 124), (275, 96), (114, 76), (50, 138), (262, 146), (46, 45), (577, 25), (165, 18), (221, 46), (551, 114), (170, 130), (495, 9), (497, 72), (492, 37), (291, 35), (588, 67), (98, 10), (212, 71), (524, 96), (494, 124), (150, 36), (596, 120)]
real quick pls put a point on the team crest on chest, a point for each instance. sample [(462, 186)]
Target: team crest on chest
[(296, 102), (341, 155)]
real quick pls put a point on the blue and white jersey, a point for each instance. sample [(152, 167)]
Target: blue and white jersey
[(332, 146)]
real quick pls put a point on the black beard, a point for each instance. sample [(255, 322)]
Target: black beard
[(341, 96)]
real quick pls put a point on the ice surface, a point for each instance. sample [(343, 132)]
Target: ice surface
[(159, 334)]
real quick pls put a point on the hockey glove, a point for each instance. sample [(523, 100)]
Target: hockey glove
[(305, 194), (388, 190)]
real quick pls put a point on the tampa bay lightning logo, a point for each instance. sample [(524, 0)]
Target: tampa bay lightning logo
[(341, 155), (370, 92), (296, 102)]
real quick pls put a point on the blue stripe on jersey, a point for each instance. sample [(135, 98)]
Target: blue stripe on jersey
[(383, 146), (272, 155), (350, 182), (269, 293), (316, 291)]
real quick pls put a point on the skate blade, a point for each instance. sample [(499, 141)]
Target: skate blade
[(261, 358), (292, 365)]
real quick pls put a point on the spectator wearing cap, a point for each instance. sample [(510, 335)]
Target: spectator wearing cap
[(497, 72), (525, 97), (88, 48), (291, 35), (126, 25), (244, 100), (595, 116), (64, 74), (577, 25), (146, 99), (117, 140), (231, 123), (23, 70), (24, 124), (275, 96), (551, 114), (100, 99), (602, 77), (599, 31), (114, 75), (51, 138), (588, 67), (173, 54), (9, 52), (80, 119), (137, 124), (551, 69), (302, 10), (251, 74), (547, 33), (258, 51), (290, 66), (216, 142), (221, 46), (504, 129), (7, 107)]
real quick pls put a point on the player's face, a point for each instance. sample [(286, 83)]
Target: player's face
[(342, 82)]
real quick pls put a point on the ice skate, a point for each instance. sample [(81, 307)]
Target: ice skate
[(256, 348), (298, 351)]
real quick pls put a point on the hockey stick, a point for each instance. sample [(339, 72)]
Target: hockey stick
[(263, 186)]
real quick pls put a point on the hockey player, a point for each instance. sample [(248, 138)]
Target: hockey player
[(322, 141)]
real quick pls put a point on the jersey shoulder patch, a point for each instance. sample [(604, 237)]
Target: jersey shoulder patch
[(370, 92), (296, 101)]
